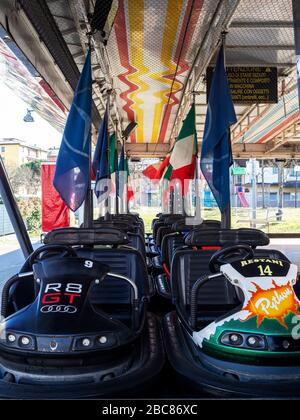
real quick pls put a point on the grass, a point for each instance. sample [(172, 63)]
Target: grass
[(148, 214), (290, 218)]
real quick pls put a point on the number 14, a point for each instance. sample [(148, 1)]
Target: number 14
[(265, 271)]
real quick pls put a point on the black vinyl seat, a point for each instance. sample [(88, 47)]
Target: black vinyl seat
[(122, 256), (218, 296), (129, 219), (174, 240), (165, 220), (114, 296), (125, 224), (134, 233)]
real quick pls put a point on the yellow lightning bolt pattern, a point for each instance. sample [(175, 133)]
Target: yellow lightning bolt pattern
[(171, 27), (136, 20)]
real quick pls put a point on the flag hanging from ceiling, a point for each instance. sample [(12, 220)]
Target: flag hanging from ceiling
[(101, 163), (124, 186), (182, 162), (72, 167), (216, 155)]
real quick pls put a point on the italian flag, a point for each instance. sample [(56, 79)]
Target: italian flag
[(183, 158), (157, 170)]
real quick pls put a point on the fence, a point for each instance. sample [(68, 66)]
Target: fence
[(5, 225)]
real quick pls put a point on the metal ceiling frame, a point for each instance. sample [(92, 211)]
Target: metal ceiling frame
[(20, 29), (56, 63), (49, 34), (262, 24), (196, 71), (286, 135), (83, 27)]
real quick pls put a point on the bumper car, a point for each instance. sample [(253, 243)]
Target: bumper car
[(236, 328), (75, 322)]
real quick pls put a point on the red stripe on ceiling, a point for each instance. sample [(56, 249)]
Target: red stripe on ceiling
[(180, 58), (278, 127), (121, 36)]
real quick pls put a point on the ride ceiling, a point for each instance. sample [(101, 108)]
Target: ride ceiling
[(154, 55), (151, 49)]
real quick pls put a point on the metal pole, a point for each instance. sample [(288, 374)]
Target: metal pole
[(14, 212), (296, 190), (171, 198), (126, 185), (254, 192), (296, 185), (88, 203), (107, 200), (263, 183), (117, 178), (226, 214), (197, 180), (280, 191)]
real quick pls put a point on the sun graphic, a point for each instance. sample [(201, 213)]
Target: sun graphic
[(274, 303)]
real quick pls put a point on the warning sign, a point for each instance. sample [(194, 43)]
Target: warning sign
[(250, 85)]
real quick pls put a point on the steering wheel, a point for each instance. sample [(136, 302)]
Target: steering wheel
[(230, 255), (48, 251)]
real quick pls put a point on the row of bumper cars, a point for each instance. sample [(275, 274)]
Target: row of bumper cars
[(173, 238), (84, 317)]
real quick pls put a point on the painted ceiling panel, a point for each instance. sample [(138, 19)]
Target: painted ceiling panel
[(150, 55)]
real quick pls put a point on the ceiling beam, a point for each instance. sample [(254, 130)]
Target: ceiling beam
[(262, 47), (262, 24), (251, 150), (239, 150), (147, 149), (257, 63)]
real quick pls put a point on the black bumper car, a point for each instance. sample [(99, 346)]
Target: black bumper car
[(75, 321)]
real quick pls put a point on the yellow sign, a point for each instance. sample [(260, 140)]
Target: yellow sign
[(250, 85)]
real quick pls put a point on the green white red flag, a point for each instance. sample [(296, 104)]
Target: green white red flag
[(183, 158)]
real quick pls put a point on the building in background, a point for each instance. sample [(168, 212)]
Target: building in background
[(52, 154), (277, 182), (16, 152)]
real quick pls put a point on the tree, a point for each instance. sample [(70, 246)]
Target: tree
[(26, 179)]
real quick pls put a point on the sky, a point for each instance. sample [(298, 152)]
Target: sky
[(12, 112)]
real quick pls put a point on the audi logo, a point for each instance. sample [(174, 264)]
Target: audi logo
[(65, 309)]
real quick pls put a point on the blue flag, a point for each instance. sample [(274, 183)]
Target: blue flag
[(101, 159), (72, 167), (216, 156)]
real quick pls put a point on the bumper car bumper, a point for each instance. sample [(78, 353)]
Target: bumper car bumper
[(200, 374), (123, 374)]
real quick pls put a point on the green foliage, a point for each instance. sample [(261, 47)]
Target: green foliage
[(35, 167), (31, 212)]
